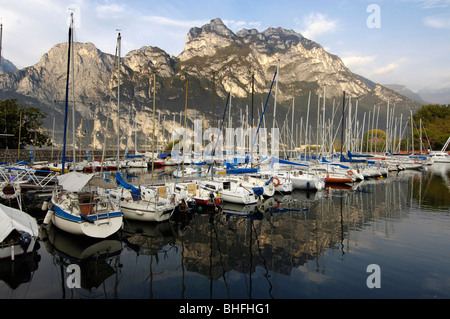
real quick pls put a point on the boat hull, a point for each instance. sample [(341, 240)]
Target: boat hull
[(208, 202), (338, 180), (99, 226), (15, 250), (147, 214), (238, 198)]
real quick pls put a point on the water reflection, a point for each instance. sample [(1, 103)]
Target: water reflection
[(301, 245), (97, 259)]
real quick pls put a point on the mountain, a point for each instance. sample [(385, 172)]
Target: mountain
[(403, 90), (436, 96), (7, 66), (216, 62)]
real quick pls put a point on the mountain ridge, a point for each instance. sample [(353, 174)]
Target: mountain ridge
[(212, 51)]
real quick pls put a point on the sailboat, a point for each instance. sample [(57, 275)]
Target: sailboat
[(143, 203), (192, 191), (258, 185), (441, 156), (18, 232), (231, 191), (77, 206), (80, 208)]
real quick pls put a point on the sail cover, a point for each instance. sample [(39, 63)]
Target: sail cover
[(11, 218), (75, 182), (121, 182)]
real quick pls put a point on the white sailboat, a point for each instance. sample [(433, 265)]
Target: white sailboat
[(80, 208), (258, 185), (143, 203), (302, 179), (192, 191), (281, 184), (77, 207), (439, 157), (18, 232), (231, 191)]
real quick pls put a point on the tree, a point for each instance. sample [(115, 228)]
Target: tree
[(21, 120), (435, 121), (374, 140)]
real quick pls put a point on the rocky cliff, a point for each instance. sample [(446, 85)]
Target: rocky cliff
[(211, 52)]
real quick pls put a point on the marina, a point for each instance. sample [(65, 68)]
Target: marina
[(299, 245), (162, 179)]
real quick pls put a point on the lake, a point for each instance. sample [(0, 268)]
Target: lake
[(380, 239)]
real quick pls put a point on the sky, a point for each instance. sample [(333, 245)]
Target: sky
[(397, 41)]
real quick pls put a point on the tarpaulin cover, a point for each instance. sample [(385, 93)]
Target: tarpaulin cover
[(11, 218), (121, 182), (75, 182)]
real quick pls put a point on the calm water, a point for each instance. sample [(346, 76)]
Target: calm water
[(305, 245)]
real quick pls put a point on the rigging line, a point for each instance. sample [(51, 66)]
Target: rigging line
[(221, 256), (264, 260), (223, 120), (265, 106)]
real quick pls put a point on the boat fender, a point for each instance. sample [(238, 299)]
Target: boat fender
[(276, 181), (48, 217), (25, 240), (17, 190), (44, 206)]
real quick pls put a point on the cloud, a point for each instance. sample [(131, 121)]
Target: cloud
[(358, 61), (430, 4), (109, 11), (173, 23), (372, 66), (316, 24), (387, 69), (438, 21)]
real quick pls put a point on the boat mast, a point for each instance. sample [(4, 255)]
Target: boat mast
[(412, 132), (153, 136), (323, 121), (317, 126), (213, 106), (292, 128), (276, 91), (73, 101), (118, 100), (67, 95), (251, 126), (185, 129), (1, 36), (343, 125), (307, 139)]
